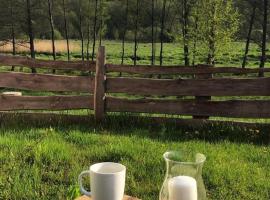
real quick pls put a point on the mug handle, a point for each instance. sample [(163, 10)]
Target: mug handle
[(83, 191)]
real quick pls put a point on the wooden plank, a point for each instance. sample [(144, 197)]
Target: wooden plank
[(47, 64), (9, 103), (163, 70), (234, 108), (89, 198), (42, 82), (190, 87), (99, 93)]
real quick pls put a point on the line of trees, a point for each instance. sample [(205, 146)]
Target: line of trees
[(211, 23)]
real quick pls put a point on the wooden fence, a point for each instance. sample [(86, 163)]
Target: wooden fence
[(98, 89)]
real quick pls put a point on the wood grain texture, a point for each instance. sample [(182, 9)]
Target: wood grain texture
[(235, 108), (200, 69), (89, 198), (9, 103), (99, 92), (35, 63), (190, 87), (41, 82)]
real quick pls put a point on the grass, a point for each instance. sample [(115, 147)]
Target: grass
[(38, 161), (41, 160), (173, 53)]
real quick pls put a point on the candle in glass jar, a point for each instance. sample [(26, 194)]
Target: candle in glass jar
[(182, 188)]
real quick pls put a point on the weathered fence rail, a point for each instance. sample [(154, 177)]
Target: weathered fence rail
[(10, 103), (47, 64), (190, 87), (99, 89), (43, 82), (231, 108), (199, 69)]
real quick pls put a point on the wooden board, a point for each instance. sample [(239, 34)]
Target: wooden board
[(190, 87), (200, 69), (88, 198), (42, 82), (35, 63), (234, 108), (9, 103)]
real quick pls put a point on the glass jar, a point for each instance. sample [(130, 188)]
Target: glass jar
[(184, 164)]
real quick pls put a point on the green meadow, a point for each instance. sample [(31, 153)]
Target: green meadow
[(42, 159)]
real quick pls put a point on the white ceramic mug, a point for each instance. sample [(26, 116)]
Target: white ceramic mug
[(107, 181)]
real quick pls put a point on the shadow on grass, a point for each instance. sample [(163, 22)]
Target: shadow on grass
[(129, 125)]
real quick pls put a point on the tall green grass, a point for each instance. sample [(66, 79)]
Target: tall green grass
[(42, 161)]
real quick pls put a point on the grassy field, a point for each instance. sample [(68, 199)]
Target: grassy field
[(173, 53), (42, 161)]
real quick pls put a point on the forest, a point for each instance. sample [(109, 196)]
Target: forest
[(124, 81), (210, 25)]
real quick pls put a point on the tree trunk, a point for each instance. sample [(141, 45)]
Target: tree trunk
[(12, 32), (81, 30), (52, 30), (30, 31), (153, 33), (212, 48), (185, 15), (162, 27), (88, 33), (95, 27), (124, 33), (212, 38), (100, 22), (66, 28), (195, 41), (249, 36), (263, 57), (136, 33)]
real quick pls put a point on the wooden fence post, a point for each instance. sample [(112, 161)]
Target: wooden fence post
[(203, 98), (99, 92)]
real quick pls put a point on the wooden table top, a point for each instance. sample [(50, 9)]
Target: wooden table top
[(89, 198)]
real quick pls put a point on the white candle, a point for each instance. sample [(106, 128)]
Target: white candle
[(182, 188)]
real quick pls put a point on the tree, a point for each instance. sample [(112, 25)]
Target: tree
[(124, 32), (195, 39), (12, 31), (217, 26), (88, 30), (66, 27), (95, 30), (185, 22), (77, 18), (265, 21), (162, 27), (251, 23), (81, 28), (136, 32), (101, 15), (153, 35), (30, 31), (52, 29)]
